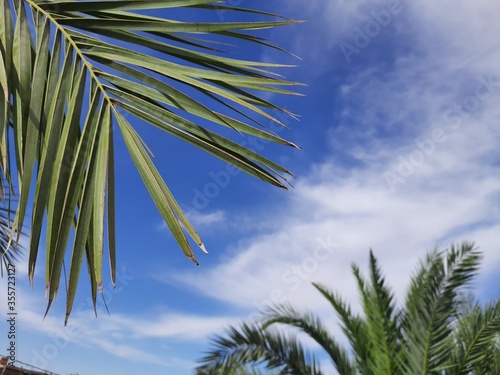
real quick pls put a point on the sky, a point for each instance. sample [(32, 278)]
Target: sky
[(399, 135)]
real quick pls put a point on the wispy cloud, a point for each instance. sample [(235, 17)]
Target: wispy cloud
[(206, 218), (423, 111), (121, 335), (201, 219)]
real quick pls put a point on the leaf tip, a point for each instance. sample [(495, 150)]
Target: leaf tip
[(203, 248)]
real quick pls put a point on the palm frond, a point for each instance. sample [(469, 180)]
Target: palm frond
[(353, 326), (312, 326), (432, 304), (382, 319), (251, 344), (477, 336), (72, 71)]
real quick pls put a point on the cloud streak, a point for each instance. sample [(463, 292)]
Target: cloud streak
[(435, 111)]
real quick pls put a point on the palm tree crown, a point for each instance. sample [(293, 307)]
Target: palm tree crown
[(438, 330)]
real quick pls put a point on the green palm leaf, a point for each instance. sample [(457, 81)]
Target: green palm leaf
[(431, 306), (353, 326), (381, 315), (72, 70), (253, 345), (314, 328), (478, 332)]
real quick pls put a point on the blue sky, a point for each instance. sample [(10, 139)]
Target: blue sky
[(399, 130)]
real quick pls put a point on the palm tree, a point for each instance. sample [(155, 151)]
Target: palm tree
[(73, 71), (438, 329)]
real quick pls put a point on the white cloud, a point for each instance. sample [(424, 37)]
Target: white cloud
[(182, 326), (199, 219), (449, 193), (122, 335)]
